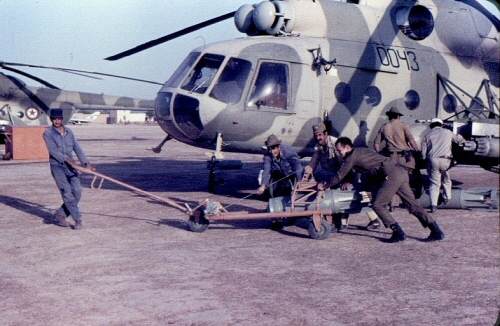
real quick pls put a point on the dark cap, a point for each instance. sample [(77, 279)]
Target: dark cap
[(272, 140), (319, 128), (56, 113), (393, 111)]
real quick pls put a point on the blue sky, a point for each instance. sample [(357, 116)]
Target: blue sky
[(79, 34)]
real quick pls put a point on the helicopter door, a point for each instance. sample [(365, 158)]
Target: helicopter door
[(270, 89)]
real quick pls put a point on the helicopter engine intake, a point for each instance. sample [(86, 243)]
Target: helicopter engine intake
[(280, 17), (415, 22)]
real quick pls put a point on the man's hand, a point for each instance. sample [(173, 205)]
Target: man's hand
[(307, 173), (70, 162), (320, 186), (345, 186), (261, 190), (89, 167)]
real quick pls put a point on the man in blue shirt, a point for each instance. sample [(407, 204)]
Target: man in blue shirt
[(282, 168), (61, 143)]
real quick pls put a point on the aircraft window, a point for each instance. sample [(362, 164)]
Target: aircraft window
[(271, 86), (412, 99), (373, 96), (450, 103), (162, 104), (200, 78), (182, 70), (232, 81), (343, 92)]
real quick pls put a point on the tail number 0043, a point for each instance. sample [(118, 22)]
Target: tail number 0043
[(396, 58)]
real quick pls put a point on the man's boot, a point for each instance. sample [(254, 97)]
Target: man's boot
[(78, 225), (397, 234), (60, 220), (436, 233), (375, 224), (433, 209)]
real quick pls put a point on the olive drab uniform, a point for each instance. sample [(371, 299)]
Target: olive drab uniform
[(391, 178), (330, 160), (397, 135), (327, 157)]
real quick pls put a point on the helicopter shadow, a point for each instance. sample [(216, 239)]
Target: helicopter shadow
[(160, 175)]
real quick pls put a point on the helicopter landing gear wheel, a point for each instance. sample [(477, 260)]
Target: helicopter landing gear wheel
[(198, 223), (322, 232)]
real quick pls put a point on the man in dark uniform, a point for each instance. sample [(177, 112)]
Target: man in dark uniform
[(329, 159), (391, 178), (282, 168)]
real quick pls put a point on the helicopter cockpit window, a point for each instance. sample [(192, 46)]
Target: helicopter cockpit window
[(271, 86), (200, 78), (231, 82), (182, 70)]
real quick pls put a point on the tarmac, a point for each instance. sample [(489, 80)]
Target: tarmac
[(135, 262)]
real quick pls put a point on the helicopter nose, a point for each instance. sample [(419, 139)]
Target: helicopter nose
[(179, 116)]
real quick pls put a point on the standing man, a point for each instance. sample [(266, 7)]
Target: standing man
[(61, 143), (328, 157), (391, 178), (282, 168), (398, 139), (399, 142), (436, 150)]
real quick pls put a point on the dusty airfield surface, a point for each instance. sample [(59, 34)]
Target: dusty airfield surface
[(136, 263)]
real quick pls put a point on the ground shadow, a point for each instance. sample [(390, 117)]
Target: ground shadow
[(28, 207)]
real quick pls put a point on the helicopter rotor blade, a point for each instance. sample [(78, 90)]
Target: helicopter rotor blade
[(72, 71), (169, 37), (25, 74)]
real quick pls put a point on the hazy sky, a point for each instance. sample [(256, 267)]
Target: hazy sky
[(79, 34)]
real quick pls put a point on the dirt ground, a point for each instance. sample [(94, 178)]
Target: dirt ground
[(136, 263)]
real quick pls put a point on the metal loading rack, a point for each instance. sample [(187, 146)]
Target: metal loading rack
[(304, 202)]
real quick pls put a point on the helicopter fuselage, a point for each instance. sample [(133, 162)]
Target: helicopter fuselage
[(351, 67)]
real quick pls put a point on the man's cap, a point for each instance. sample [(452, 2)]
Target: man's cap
[(436, 121), (394, 111), (319, 128), (56, 113), (272, 140)]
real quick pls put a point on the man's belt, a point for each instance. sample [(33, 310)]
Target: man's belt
[(446, 156)]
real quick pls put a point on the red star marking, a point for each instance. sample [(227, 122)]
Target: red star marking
[(32, 113)]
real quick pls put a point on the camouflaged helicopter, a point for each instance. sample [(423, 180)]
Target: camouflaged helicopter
[(342, 62), (22, 105)]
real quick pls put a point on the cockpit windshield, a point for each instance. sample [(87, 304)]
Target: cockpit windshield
[(232, 80), (182, 70), (200, 78)]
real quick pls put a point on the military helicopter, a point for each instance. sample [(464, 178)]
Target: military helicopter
[(22, 105), (342, 62)]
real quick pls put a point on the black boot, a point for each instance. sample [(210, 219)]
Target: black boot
[(397, 234), (436, 233)]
